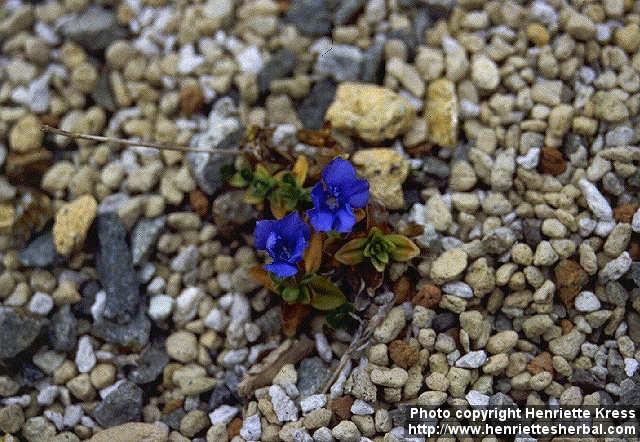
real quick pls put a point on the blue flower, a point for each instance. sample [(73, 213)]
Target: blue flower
[(285, 241), (335, 197)]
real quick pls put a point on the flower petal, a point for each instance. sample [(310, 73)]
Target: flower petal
[(321, 220), (359, 194), (281, 269), (338, 172), (298, 250), (318, 197), (261, 234), (344, 220)]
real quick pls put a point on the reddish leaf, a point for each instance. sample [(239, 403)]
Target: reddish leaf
[(293, 315), (313, 254)]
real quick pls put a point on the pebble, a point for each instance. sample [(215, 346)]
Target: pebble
[(122, 404), (17, 332), (441, 110), (182, 346), (346, 431), (40, 304), (449, 265), (340, 62), (160, 307), (313, 402), (473, 359), (72, 222), (393, 323), (385, 170), (394, 377), (40, 252), (85, 357), (251, 428), (223, 414), (283, 406), (587, 302), (311, 17), (144, 236), (371, 112), (133, 432), (25, 135)]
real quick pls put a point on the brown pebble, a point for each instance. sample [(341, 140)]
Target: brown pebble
[(624, 213), (403, 354), (427, 296), (551, 161), (191, 99), (566, 326), (402, 289), (341, 407), (233, 429), (542, 362), (570, 278), (538, 34), (27, 168), (199, 202)]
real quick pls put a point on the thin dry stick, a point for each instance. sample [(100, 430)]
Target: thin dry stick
[(122, 141)]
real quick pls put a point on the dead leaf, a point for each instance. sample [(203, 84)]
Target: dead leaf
[(313, 254), (300, 170), (261, 276), (293, 315)]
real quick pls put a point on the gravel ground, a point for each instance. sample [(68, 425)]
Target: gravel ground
[(502, 136)]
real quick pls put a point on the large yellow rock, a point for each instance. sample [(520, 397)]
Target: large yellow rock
[(72, 223), (133, 432), (371, 112), (441, 109), (386, 170)]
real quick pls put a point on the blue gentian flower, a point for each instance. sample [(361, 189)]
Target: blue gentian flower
[(285, 241), (335, 197)]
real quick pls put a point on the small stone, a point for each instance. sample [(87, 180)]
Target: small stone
[(403, 354), (473, 359), (40, 304), (311, 17), (551, 161), (314, 106), (449, 265), (567, 346), (150, 364), (182, 346), (313, 402), (475, 398), (62, 329), (587, 302), (502, 342), (25, 135), (144, 237), (223, 414), (427, 296), (123, 404), (312, 374), (72, 222), (133, 432), (191, 99), (116, 272), (389, 329), (160, 307), (346, 431), (394, 377), (11, 419), (484, 73), (283, 406), (371, 112), (538, 34), (385, 170), (581, 27), (441, 110), (340, 62), (194, 422), (17, 332), (280, 65), (40, 252), (570, 279), (85, 357)]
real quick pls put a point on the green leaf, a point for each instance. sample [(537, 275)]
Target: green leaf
[(404, 249), (324, 294), (237, 180), (352, 252), (290, 294)]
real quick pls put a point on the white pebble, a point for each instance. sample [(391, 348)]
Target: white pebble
[(72, 415), (530, 159), (587, 302), (85, 357), (216, 320), (251, 429), (595, 200), (459, 289), (323, 347), (160, 307), (40, 304), (630, 366), (47, 395), (635, 222), (313, 402), (361, 407), (474, 397)]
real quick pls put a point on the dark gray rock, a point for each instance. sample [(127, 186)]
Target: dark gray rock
[(499, 400), (230, 211), (444, 321), (270, 322), (62, 330), (220, 395), (312, 375), (281, 65), (616, 293), (144, 237), (135, 334), (151, 364), (313, 108), (498, 241), (94, 29), (173, 419), (340, 62), (122, 405), (346, 10), (634, 273), (633, 321), (311, 17), (586, 380), (371, 67), (615, 366), (436, 167), (40, 252), (17, 332), (224, 131), (101, 94), (531, 231), (115, 270), (630, 394)]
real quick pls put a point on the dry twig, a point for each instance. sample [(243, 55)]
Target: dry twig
[(121, 141)]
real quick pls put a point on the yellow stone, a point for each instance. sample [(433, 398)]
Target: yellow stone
[(72, 223), (386, 170), (441, 109), (538, 34), (371, 112), (133, 432), (7, 217)]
